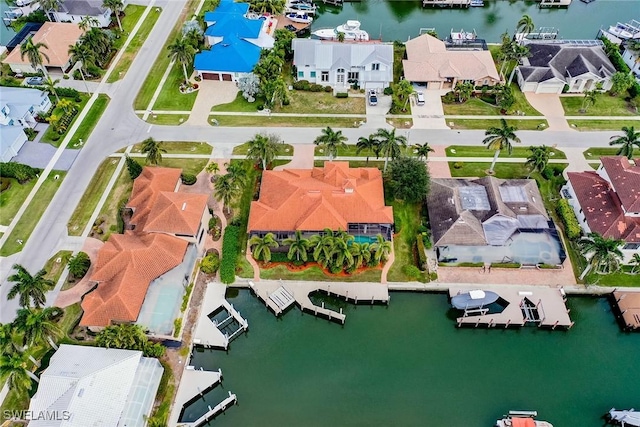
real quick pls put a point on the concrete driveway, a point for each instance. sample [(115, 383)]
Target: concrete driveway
[(376, 114), (210, 93), (431, 114), (549, 105)]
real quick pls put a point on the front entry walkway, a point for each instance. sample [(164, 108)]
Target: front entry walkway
[(210, 93), (549, 105)]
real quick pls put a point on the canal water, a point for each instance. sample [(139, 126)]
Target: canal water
[(6, 33), (407, 364), (398, 20)]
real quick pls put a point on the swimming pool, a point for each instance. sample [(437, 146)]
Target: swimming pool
[(365, 239)]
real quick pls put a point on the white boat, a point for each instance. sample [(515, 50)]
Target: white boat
[(301, 7), (350, 29), (299, 17), (462, 36), (630, 30), (476, 3), (625, 417), (522, 419), (474, 299)]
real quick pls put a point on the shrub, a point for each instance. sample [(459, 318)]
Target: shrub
[(79, 265), (422, 256), (458, 165), (134, 168), (412, 271), (185, 297), (177, 325), (5, 184), (388, 90), (316, 88), (342, 95), (301, 85), (569, 220), (449, 98), (212, 222), (328, 89), (230, 251), (20, 172), (506, 265), (188, 179), (210, 263)]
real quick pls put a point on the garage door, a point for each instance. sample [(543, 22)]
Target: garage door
[(211, 76), (549, 88), (227, 77), (374, 85)]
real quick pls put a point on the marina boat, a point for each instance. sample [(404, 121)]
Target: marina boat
[(462, 36), (476, 3), (350, 29), (630, 418), (630, 30), (299, 17), (474, 299), (522, 419), (308, 8)]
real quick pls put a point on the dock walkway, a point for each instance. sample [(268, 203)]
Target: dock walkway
[(194, 382), (207, 332)]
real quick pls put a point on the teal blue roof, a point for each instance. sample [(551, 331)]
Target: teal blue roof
[(237, 25), (226, 6)]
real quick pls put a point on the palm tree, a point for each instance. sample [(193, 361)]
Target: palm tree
[(538, 159), (590, 98), (500, 138), (50, 86), (516, 54), (226, 190), (628, 141), (238, 173), (182, 50), (367, 144), (381, 249), (116, 7), (262, 246), (464, 90), (340, 255), (65, 105), (31, 289), (213, 168), (154, 150), (81, 53), (262, 148), (79, 264), (389, 144), (87, 22), (404, 90), (13, 369), (504, 52), (279, 93), (322, 245), (34, 54), (7, 343), (525, 25), (331, 141), (50, 5), (298, 245), (603, 253), (423, 150), (125, 336), (361, 253), (38, 326), (635, 261), (97, 41)]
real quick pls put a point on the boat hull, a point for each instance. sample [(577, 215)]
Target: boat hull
[(465, 301)]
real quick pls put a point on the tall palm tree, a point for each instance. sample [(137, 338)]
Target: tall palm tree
[(49, 6), (30, 289), (404, 89), (538, 159), (213, 168), (238, 173), (322, 245), (370, 145), (603, 253), (278, 92), (153, 149), (226, 190), (262, 148), (298, 246), (87, 22), (525, 25), (97, 41), (262, 246), (628, 141), (500, 138), (390, 144), (590, 98), (423, 150), (340, 255), (39, 326), (381, 249), (80, 52), (50, 86), (464, 90), (361, 253), (34, 53), (13, 369), (7, 343), (504, 51), (516, 54), (182, 50), (116, 7), (331, 141), (635, 261)]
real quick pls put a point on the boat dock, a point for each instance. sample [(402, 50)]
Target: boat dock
[(208, 332), (446, 3), (628, 305), (278, 295), (554, 3), (541, 305)]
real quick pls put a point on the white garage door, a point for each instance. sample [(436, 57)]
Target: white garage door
[(374, 85), (549, 88)]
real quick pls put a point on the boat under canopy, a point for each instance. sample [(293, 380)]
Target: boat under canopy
[(474, 299), (626, 417)]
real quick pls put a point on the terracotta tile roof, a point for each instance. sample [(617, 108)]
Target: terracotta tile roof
[(601, 207), (176, 213), (625, 180), (318, 198), (124, 268), (146, 188), (58, 36)]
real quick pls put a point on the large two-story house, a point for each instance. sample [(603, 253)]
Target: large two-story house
[(607, 201), (75, 11)]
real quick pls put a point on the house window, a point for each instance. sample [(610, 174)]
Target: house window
[(300, 74), (353, 75), (340, 78), (486, 82), (313, 74), (324, 76), (631, 246), (340, 70), (375, 67)]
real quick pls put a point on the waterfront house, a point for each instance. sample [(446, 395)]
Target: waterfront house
[(20, 106), (163, 234), (607, 201), (491, 220), (12, 138), (57, 36), (631, 57), (234, 41), (334, 196), (430, 63), (75, 10), (93, 386), (340, 64), (552, 65)]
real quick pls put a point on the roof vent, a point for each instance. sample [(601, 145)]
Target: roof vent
[(184, 205)]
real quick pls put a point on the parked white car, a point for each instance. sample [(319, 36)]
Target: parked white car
[(420, 98)]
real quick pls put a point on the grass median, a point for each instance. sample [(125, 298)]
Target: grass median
[(612, 125), (90, 121), (484, 124), (12, 198), (481, 151), (280, 121)]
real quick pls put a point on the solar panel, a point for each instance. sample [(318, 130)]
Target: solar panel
[(474, 198), (511, 193)]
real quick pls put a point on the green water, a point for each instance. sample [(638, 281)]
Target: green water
[(407, 364), (398, 20)]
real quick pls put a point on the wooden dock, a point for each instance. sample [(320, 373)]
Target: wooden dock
[(212, 412), (628, 304), (540, 305)]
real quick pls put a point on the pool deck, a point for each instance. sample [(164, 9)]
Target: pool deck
[(549, 301), (193, 383), (207, 333)]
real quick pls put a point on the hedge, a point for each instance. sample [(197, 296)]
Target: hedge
[(230, 251), (65, 92), (22, 173), (422, 256), (188, 179), (342, 95), (568, 216)]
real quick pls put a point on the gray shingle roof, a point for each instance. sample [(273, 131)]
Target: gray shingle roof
[(82, 7)]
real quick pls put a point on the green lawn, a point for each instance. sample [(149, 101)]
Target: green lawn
[(243, 268), (170, 98), (283, 149), (614, 279), (407, 220), (605, 105), (167, 119), (118, 195), (132, 15), (594, 153), (481, 151), (502, 170), (12, 198), (54, 138), (28, 221), (400, 123), (178, 147), (322, 103), (265, 121), (484, 124), (352, 151), (90, 121), (188, 166), (54, 268), (315, 273), (613, 125), (355, 163), (92, 194), (240, 105), (477, 107)]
